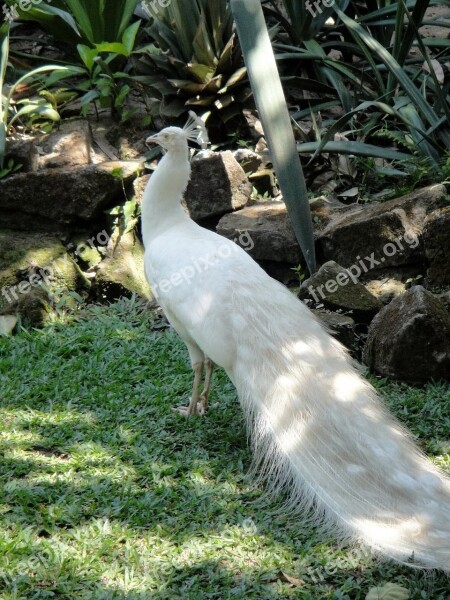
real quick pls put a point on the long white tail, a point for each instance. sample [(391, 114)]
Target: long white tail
[(318, 429)]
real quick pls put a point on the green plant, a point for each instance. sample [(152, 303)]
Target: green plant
[(10, 167), (194, 62), (106, 83), (299, 19), (272, 108), (87, 21), (9, 113), (58, 97), (372, 79)]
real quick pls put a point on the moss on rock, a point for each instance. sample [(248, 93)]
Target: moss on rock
[(31, 260)]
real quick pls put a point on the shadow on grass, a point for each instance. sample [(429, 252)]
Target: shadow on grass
[(106, 493)]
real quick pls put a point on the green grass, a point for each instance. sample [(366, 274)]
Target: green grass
[(106, 493)]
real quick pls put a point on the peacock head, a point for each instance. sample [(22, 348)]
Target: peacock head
[(175, 138), (170, 138)]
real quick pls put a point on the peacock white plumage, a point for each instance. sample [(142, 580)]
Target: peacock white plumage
[(317, 428)]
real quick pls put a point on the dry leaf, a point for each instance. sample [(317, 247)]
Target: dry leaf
[(292, 580), (7, 324), (351, 193), (437, 68)]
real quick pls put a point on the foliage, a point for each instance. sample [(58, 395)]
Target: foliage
[(106, 493), (32, 110), (299, 19), (271, 104), (371, 76), (194, 62), (87, 21), (105, 82), (9, 167)]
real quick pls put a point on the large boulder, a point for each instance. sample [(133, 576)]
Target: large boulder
[(62, 198), (35, 260), (269, 227), (339, 289), (217, 186), (341, 327), (436, 240), (381, 235), (409, 339), (23, 153), (69, 145)]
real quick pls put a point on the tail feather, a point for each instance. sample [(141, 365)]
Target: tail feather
[(318, 429)]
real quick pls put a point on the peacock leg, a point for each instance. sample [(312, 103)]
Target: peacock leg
[(203, 401), (194, 407)]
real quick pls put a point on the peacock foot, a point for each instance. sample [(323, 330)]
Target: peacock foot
[(198, 409)]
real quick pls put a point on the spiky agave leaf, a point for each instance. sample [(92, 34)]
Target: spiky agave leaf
[(198, 65)]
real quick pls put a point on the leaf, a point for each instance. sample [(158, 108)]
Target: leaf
[(271, 104), (202, 73), (392, 65), (112, 47), (292, 580), (351, 193), (357, 148), (129, 36), (87, 55), (390, 591)]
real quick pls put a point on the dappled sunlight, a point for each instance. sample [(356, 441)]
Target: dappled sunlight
[(347, 388), (391, 534), (108, 489)]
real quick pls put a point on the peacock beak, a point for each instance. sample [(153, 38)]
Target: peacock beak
[(152, 139)]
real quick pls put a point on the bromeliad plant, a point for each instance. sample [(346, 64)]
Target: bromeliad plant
[(195, 61)]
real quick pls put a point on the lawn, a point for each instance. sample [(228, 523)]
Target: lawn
[(108, 494)]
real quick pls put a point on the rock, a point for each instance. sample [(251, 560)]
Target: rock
[(67, 146), (340, 326), (444, 297), (381, 235), (33, 308), (218, 185), (250, 161), (139, 185), (337, 288), (386, 289), (30, 260), (323, 209), (23, 152), (269, 227), (436, 240), (264, 182), (90, 253), (121, 273), (255, 128), (62, 198), (410, 338)]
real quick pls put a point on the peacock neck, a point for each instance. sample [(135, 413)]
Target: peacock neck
[(161, 208)]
